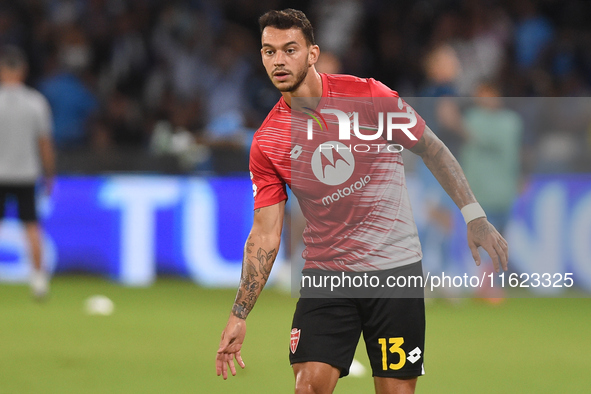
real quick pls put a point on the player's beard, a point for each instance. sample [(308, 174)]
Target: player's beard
[(299, 78)]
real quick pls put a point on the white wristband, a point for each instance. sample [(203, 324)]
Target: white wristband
[(472, 211)]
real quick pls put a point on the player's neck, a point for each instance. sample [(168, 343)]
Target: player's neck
[(311, 87), (10, 81)]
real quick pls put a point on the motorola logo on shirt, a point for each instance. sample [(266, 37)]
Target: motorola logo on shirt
[(333, 163)]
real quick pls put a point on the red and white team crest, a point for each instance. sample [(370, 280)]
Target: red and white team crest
[(295, 339)]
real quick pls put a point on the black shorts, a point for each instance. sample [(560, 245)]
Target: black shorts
[(328, 329), (25, 198)]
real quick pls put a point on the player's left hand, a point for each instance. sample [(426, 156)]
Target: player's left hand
[(230, 345), (482, 233)]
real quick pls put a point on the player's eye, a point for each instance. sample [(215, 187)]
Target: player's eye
[(291, 51), (268, 52)]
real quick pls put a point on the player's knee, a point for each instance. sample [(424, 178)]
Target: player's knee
[(309, 386), (305, 388), (310, 380), (304, 380)]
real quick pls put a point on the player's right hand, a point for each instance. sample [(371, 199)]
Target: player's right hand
[(230, 345)]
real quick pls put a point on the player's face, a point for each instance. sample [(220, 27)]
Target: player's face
[(286, 57)]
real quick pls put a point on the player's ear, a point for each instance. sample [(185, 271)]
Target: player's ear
[(313, 54)]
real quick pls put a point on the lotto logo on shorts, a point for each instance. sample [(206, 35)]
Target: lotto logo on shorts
[(295, 339), (414, 355)]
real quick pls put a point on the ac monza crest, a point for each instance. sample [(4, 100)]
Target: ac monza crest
[(295, 339)]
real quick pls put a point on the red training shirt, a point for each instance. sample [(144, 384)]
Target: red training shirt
[(352, 191)]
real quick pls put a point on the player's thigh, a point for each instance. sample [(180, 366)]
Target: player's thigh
[(394, 334), (325, 330)]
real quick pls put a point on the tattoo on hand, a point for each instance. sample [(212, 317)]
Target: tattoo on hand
[(481, 230)]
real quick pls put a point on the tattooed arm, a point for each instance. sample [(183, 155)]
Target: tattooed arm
[(449, 174), (259, 255), (260, 252)]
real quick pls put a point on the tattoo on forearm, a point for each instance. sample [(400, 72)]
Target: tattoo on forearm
[(249, 274), (251, 283), (448, 172), (265, 262), (249, 245), (239, 311), (444, 167)]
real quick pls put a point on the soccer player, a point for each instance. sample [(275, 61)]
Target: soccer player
[(366, 230), (26, 146)]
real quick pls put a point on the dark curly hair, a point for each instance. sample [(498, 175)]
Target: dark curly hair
[(286, 19)]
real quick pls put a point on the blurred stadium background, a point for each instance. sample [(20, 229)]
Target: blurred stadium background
[(154, 106)]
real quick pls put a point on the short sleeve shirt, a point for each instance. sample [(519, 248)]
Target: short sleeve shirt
[(25, 116), (356, 205)]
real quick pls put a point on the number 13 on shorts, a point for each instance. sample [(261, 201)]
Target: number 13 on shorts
[(393, 349)]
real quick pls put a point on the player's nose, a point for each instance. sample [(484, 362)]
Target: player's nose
[(279, 59)]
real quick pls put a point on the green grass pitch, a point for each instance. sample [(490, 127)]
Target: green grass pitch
[(163, 339)]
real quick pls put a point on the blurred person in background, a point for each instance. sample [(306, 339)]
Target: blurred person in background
[(175, 135), (442, 70), (532, 35), (25, 146), (71, 101), (481, 44), (440, 109), (491, 158), (491, 155), (225, 109), (329, 63)]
